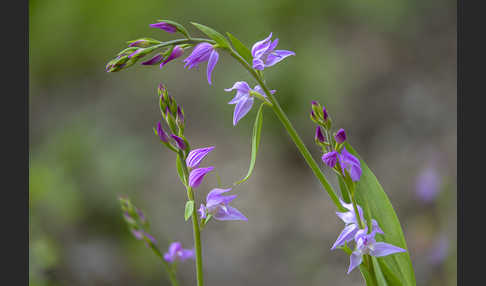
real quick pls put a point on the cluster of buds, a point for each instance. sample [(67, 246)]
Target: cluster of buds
[(173, 116), (137, 222), (335, 154)]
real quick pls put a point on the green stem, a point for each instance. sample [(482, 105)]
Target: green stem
[(170, 271), (292, 133), (195, 226)]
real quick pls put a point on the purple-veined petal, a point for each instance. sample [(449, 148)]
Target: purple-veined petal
[(346, 235), (213, 59), (355, 259), (277, 56), (229, 213), (202, 211), (260, 90), (350, 163), (239, 96), (347, 217), (258, 64), (273, 45), (242, 108), (330, 158), (199, 54), (383, 249), (197, 155), (375, 227), (216, 197), (240, 86), (164, 26), (260, 47), (179, 142), (196, 176), (154, 60)]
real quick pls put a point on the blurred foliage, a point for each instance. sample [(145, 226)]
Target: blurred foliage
[(384, 69)]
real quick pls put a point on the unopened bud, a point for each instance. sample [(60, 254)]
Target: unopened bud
[(340, 136), (319, 137), (180, 118), (143, 43), (162, 135), (181, 144)]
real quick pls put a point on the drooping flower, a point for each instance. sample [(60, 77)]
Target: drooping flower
[(330, 158), (201, 53), (265, 55), (177, 253), (217, 206), (351, 224), (243, 99), (164, 26), (196, 176), (197, 155), (340, 136), (366, 244), (351, 164)]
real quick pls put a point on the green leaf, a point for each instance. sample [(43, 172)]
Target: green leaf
[(390, 277), (369, 192), (380, 279), (240, 48), (189, 209), (344, 190), (180, 169), (216, 36), (178, 26), (368, 277), (255, 141)]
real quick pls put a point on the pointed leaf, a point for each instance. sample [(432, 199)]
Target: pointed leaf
[(240, 48), (210, 32), (369, 192), (189, 209), (255, 141), (344, 190), (380, 279)]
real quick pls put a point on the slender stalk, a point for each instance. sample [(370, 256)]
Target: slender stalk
[(170, 271), (195, 226), (292, 133)]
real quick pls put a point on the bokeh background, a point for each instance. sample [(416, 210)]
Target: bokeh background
[(385, 70)]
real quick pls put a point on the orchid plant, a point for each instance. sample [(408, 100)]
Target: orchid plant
[(372, 235)]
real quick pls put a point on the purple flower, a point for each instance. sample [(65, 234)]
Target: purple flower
[(217, 206), (330, 158), (201, 53), (197, 155), (177, 253), (196, 176), (351, 224), (179, 142), (164, 26), (176, 52), (340, 136), (366, 244), (351, 164), (265, 55), (428, 185), (243, 99)]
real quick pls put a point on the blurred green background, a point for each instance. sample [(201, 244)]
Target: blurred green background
[(385, 70)]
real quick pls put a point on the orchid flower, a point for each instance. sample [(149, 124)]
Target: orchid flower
[(265, 55), (197, 155), (351, 224), (244, 99), (366, 244), (217, 206), (201, 53), (351, 164), (177, 253)]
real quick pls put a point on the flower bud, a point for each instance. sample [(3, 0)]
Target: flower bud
[(180, 118), (143, 42), (319, 137), (164, 26), (162, 135), (154, 60), (324, 113), (340, 136), (181, 144)]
